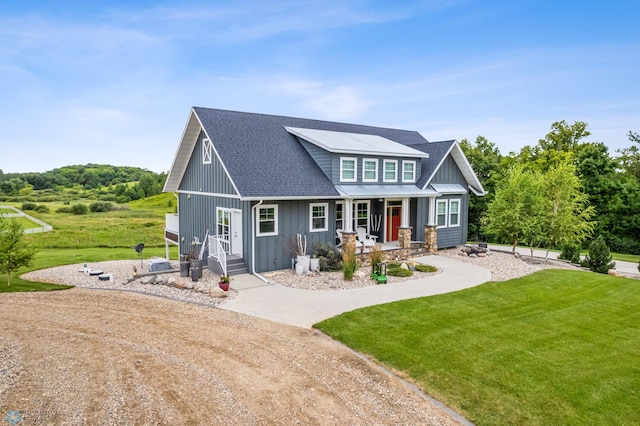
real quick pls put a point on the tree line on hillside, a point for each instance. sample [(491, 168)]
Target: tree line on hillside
[(93, 181), (557, 193)]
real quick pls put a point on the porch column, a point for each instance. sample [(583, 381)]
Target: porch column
[(431, 238), (347, 219), (404, 220), (404, 237), (431, 221), (348, 242)]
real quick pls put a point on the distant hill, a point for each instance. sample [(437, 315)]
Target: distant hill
[(127, 183)]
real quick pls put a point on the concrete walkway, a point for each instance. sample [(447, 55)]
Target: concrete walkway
[(303, 308), (621, 266)]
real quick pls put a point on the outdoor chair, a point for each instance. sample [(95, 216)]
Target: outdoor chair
[(365, 238)]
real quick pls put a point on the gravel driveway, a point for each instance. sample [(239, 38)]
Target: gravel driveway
[(94, 357)]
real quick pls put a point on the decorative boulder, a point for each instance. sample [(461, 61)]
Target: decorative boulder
[(404, 266), (201, 288), (612, 272), (218, 293), (188, 285), (148, 280)]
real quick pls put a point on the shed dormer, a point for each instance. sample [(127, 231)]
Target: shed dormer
[(354, 158)]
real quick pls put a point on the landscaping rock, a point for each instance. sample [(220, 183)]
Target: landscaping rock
[(218, 293), (612, 272), (188, 285), (148, 280), (404, 266)]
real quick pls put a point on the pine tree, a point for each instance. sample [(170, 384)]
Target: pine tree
[(599, 258)]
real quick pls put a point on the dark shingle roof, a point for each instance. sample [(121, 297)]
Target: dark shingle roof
[(437, 152), (264, 160)]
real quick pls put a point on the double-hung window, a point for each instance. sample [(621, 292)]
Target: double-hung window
[(390, 171), (408, 171), (318, 217), (448, 213), (207, 151), (361, 215), (348, 169), (370, 170), (441, 213), (454, 212), (267, 220)]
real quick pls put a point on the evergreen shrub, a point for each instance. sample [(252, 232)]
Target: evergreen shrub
[(599, 258)]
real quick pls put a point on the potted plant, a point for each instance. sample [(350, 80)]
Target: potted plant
[(302, 259), (224, 282)]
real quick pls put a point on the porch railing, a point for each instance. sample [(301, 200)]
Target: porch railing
[(216, 251)]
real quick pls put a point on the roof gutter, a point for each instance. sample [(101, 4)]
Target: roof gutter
[(253, 242)]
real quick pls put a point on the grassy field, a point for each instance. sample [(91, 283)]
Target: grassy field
[(96, 237), (140, 221), (555, 347)]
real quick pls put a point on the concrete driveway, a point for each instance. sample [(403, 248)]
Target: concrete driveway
[(303, 308)]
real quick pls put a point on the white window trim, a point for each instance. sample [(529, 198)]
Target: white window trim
[(207, 151), (364, 169), (449, 213), (326, 217), (446, 213), (275, 218), (355, 169), (354, 210), (413, 178), (384, 170)]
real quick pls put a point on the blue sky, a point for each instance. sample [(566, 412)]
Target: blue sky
[(113, 82)]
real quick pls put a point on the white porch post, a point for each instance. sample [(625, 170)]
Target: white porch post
[(348, 215), (404, 220), (432, 211)]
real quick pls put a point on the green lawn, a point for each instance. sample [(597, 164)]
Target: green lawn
[(555, 347)]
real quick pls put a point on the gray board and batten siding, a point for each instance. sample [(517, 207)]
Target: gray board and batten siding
[(449, 172), (210, 178)]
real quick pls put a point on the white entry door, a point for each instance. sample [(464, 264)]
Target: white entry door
[(230, 230), (236, 232)]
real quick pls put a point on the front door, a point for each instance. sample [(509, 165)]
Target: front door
[(230, 230), (236, 232), (224, 229), (394, 214)]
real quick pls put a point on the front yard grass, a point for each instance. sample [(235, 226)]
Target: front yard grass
[(555, 347)]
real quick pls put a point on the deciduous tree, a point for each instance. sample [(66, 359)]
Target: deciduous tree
[(515, 213), (14, 252)]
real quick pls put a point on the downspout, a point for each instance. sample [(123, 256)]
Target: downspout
[(253, 242)]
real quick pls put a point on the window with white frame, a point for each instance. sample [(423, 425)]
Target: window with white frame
[(267, 220), (408, 171), (390, 171), (348, 169), (318, 217), (441, 213), (370, 170), (454, 212), (361, 215), (339, 215), (207, 151)]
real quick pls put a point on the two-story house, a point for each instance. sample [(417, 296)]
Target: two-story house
[(253, 182)]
